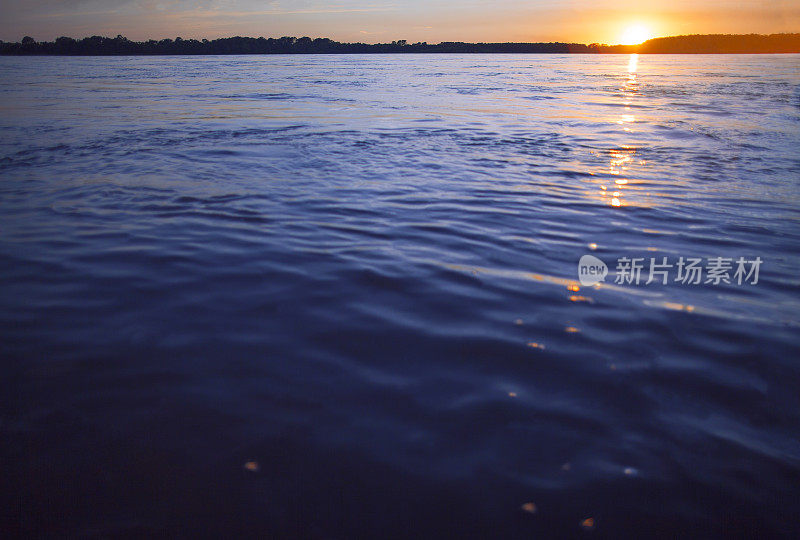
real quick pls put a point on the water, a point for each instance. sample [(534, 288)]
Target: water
[(358, 274)]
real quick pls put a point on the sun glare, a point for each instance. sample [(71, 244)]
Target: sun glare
[(635, 34)]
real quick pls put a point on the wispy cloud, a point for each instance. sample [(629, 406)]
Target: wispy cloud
[(310, 11)]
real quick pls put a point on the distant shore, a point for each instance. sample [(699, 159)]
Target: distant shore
[(121, 46)]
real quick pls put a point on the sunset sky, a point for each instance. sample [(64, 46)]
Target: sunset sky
[(582, 21)]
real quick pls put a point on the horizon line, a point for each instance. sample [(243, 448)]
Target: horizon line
[(778, 43), (325, 38)]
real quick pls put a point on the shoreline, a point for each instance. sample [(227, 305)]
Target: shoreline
[(388, 54), (121, 46)]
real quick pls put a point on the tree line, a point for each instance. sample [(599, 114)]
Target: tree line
[(105, 46)]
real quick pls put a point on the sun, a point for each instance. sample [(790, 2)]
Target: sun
[(635, 34)]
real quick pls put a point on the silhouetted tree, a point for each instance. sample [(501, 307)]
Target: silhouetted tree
[(97, 45)]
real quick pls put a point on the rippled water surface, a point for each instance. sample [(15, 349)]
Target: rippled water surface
[(357, 275)]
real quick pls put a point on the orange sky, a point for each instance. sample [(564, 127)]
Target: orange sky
[(581, 21)]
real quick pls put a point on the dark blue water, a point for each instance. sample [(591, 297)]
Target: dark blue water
[(337, 296)]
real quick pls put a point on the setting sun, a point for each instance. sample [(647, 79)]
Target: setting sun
[(635, 34)]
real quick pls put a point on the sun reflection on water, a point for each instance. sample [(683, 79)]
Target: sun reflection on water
[(622, 158), (633, 62)]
